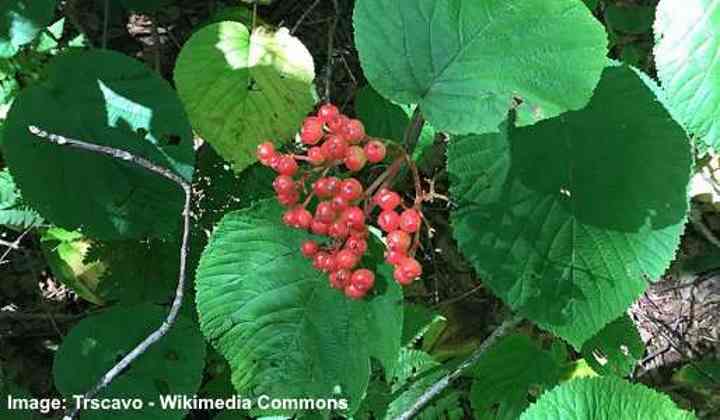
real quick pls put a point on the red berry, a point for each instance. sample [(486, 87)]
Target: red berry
[(337, 124), (290, 199), (398, 240), (354, 293), (351, 189), (363, 279), (265, 152), (319, 228), (387, 199), (316, 156), (339, 203), (324, 212), (286, 165), (309, 248), (394, 257), (354, 131), (407, 271), (357, 245), (375, 151), (410, 221), (290, 217), (328, 112), (326, 187), (340, 279), (338, 230), (304, 219), (312, 131), (355, 159), (388, 220), (346, 259), (354, 217), (324, 262), (335, 147), (284, 184)]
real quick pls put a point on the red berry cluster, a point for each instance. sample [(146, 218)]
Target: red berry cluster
[(333, 140), (399, 227)]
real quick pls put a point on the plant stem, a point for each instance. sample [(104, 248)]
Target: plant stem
[(413, 131), (184, 250), (446, 380), (331, 48)]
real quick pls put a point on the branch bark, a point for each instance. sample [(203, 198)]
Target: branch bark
[(153, 338), (446, 380)]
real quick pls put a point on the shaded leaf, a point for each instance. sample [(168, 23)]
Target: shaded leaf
[(568, 220), (172, 366), (108, 99)]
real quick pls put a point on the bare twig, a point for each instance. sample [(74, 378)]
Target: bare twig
[(14, 245), (106, 24), (446, 380), (331, 49), (184, 249), (305, 14)]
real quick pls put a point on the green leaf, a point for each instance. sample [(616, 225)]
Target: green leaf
[(616, 349), (701, 374), (506, 375), (65, 254), (465, 67), (108, 99), (568, 220), (284, 331), (417, 321), (416, 372), (241, 89), (630, 19), (172, 366), (21, 21), (138, 271), (381, 117), (604, 398), (13, 211), (686, 42), (387, 120)]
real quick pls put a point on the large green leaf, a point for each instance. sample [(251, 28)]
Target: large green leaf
[(284, 331), (616, 349), (687, 45), (21, 21), (466, 62), (507, 373), (241, 89), (137, 271), (108, 99), (172, 366), (606, 398), (569, 219)]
